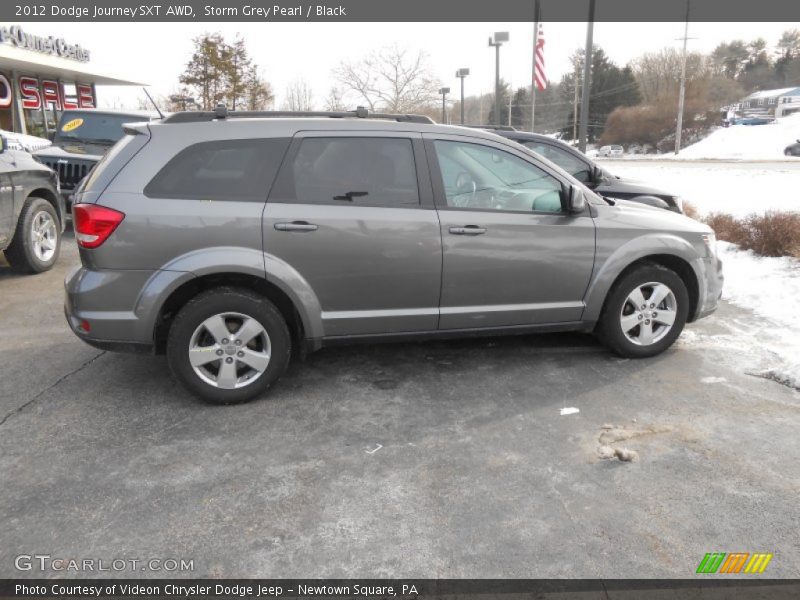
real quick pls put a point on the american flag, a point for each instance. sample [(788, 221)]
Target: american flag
[(539, 75)]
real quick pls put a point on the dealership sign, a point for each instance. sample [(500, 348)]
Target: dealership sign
[(35, 93), (15, 36)]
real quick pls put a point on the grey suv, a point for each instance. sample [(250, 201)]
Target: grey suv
[(226, 240)]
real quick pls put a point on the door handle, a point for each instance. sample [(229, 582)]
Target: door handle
[(295, 226), (468, 230)]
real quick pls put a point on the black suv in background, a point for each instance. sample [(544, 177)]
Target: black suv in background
[(81, 139), (589, 173), (31, 211)]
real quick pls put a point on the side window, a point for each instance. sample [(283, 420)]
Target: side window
[(480, 177), (351, 171), (572, 165), (221, 170)]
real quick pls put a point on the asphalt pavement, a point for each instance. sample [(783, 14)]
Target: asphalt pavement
[(442, 459)]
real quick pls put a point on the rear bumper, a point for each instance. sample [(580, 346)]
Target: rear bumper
[(117, 310)]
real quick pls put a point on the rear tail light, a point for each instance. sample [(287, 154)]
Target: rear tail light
[(94, 223)]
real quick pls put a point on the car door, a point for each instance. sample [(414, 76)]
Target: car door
[(6, 200), (353, 214), (511, 254)]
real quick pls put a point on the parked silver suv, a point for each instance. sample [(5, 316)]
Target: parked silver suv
[(226, 240)]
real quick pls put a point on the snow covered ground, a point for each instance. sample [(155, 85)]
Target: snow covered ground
[(768, 342), (738, 188), (740, 142), (747, 142), (769, 287)]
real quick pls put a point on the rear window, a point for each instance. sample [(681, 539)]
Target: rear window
[(221, 170)]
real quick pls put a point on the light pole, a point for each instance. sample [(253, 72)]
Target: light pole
[(444, 92), (497, 41), (461, 74)]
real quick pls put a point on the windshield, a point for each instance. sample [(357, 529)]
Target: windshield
[(92, 127)]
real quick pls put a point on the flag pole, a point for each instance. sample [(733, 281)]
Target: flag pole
[(533, 63)]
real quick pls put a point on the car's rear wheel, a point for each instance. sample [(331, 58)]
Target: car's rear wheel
[(37, 239), (645, 312), (228, 345)]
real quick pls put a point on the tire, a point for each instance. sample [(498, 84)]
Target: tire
[(647, 335), (197, 331), (37, 239)]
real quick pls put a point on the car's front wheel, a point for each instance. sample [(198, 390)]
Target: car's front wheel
[(37, 239), (228, 345), (645, 312)]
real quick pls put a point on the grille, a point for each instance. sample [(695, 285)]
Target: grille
[(71, 172)]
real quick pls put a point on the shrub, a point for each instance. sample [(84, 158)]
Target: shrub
[(690, 210), (775, 233)]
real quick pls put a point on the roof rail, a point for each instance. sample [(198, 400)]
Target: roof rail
[(492, 127), (222, 112)]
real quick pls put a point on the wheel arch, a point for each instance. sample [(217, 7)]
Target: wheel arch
[(673, 253), (187, 290), (48, 195)]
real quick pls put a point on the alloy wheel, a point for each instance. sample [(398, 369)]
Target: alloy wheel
[(229, 350), (44, 236), (648, 313)]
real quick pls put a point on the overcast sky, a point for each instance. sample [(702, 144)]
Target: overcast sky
[(156, 53)]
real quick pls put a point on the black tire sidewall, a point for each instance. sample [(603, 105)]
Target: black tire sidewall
[(20, 253), (218, 301), (609, 327)]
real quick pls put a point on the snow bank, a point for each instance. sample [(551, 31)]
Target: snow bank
[(742, 142), (747, 142), (735, 188), (769, 287)]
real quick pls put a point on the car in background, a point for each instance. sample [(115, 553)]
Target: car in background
[(589, 173), (31, 211), (24, 142), (753, 121), (81, 139), (610, 151), (792, 149)]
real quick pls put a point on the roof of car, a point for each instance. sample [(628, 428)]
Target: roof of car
[(139, 114), (254, 124)]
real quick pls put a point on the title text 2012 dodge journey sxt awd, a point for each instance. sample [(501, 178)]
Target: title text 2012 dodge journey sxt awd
[(227, 240)]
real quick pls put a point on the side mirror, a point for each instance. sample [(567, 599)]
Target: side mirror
[(576, 202), (3, 144)]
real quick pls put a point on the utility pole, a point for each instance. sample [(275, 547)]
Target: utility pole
[(575, 104), (536, 16), (587, 79), (681, 94)]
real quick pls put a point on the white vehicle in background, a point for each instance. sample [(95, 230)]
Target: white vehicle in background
[(21, 141), (610, 151)]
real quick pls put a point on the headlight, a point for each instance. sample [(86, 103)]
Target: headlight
[(710, 240)]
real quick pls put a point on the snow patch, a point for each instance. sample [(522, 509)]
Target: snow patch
[(768, 286), (569, 411)]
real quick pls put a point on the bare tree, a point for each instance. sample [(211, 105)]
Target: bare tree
[(299, 96), (392, 79), (335, 101)]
